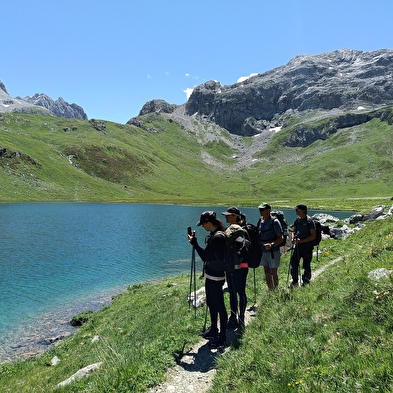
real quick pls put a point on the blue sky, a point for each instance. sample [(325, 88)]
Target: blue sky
[(111, 57)]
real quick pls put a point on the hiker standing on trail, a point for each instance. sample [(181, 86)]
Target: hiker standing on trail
[(211, 255), (271, 234), (302, 237), (237, 278)]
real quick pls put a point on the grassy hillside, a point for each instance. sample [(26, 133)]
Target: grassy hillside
[(334, 335), (49, 158), (45, 158)]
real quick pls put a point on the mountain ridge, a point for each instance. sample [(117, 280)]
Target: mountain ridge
[(40, 104), (342, 80)]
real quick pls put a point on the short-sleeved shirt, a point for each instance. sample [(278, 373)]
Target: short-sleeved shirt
[(269, 231), (303, 227)]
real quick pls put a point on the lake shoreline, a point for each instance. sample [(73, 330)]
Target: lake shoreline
[(42, 332)]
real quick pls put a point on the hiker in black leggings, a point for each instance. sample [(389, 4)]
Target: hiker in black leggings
[(214, 274), (237, 279)]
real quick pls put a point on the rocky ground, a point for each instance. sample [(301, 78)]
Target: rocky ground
[(208, 132), (196, 369)]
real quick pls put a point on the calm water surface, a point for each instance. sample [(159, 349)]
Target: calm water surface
[(58, 259)]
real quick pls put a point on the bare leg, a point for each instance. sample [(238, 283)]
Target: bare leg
[(269, 278), (275, 277)]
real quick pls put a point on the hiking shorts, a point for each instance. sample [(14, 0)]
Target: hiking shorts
[(267, 259)]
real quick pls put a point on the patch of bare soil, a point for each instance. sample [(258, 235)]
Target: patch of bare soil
[(197, 368)]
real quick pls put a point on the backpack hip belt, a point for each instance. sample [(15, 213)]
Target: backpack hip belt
[(214, 278)]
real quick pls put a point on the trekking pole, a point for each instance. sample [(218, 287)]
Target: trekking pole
[(289, 266), (252, 308), (205, 322), (191, 276), (193, 258), (192, 296), (298, 269), (192, 273)]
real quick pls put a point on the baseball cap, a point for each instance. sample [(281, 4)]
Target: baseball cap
[(264, 205), (231, 210), (207, 216)]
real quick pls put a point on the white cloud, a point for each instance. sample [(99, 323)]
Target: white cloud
[(188, 91), (244, 78), (191, 76)]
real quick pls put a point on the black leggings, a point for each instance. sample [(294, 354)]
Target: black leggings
[(215, 301), (237, 286)]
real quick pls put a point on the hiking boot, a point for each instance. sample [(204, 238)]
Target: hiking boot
[(211, 332), (293, 285), (242, 326), (232, 323), (305, 281), (218, 342)]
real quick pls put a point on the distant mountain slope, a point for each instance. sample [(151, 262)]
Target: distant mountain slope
[(9, 104), (40, 104), (59, 107), (168, 161)]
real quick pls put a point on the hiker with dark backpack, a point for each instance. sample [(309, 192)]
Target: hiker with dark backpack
[(237, 278), (272, 237), (303, 237), (212, 256)]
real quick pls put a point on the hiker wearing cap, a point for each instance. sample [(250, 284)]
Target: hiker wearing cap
[(272, 235), (237, 278), (302, 237), (214, 275)]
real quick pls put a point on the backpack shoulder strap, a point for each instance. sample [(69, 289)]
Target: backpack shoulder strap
[(219, 234)]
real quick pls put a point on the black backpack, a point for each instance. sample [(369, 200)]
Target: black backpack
[(318, 230), (234, 242), (318, 235), (253, 253), (284, 225), (279, 215)]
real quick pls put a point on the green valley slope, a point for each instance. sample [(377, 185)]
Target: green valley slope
[(44, 158)]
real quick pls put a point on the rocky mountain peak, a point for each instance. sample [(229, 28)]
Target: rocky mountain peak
[(59, 107), (157, 106), (39, 103), (2, 87), (343, 79)]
